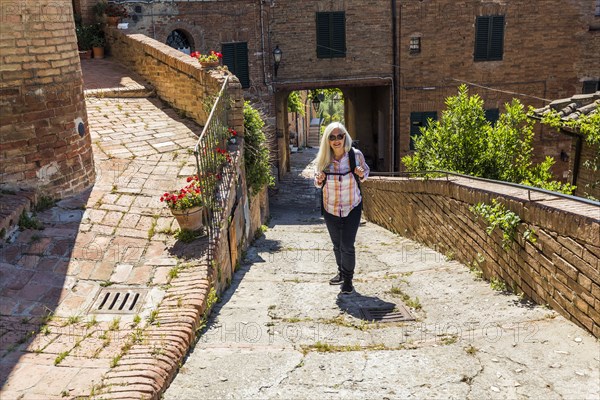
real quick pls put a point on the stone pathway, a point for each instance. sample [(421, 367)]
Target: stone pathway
[(280, 331), (117, 237)]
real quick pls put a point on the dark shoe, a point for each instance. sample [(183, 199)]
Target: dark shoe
[(347, 287), (336, 280)]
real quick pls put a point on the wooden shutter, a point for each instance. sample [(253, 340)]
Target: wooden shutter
[(418, 120), (482, 34), (235, 57), (323, 42), (590, 87), (489, 38), (331, 34), (496, 47), (338, 34), (492, 115)]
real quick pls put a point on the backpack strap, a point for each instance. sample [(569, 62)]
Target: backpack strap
[(352, 159)]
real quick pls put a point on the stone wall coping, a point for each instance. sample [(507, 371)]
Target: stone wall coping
[(538, 199)]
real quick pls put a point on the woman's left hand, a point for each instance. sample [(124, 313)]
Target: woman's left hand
[(360, 171)]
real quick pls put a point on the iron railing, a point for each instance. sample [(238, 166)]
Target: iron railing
[(529, 189), (213, 163)]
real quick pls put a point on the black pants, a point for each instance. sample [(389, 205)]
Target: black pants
[(342, 231)]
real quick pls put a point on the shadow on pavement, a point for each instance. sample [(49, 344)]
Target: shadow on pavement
[(35, 265), (354, 302)]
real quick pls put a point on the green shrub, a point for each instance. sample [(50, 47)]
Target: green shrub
[(256, 151), (464, 141)]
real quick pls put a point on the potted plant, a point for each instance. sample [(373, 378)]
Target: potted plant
[(97, 40), (112, 12), (186, 204), (84, 41), (211, 59), (98, 43), (115, 13)]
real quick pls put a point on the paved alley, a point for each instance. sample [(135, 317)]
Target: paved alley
[(57, 340), (280, 331)]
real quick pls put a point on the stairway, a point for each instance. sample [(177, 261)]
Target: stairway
[(314, 133)]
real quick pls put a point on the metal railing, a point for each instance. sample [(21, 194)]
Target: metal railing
[(213, 164), (529, 189)]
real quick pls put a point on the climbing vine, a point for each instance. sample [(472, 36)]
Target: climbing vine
[(496, 215)]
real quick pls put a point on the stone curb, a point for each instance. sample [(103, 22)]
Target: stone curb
[(147, 368)]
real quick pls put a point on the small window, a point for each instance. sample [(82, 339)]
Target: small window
[(235, 56), (178, 39), (418, 120), (331, 34), (590, 87), (597, 12), (415, 45), (489, 38), (492, 115)]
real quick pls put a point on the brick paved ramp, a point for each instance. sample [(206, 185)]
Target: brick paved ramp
[(282, 332), (115, 237)]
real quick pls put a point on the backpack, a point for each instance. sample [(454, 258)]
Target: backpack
[(352, 159)]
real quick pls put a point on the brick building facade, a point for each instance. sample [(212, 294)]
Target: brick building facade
[(396, 61), (44, 137)]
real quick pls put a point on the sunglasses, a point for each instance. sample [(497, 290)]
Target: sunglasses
[(336, 137)]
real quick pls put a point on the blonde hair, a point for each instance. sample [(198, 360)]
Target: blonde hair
[(325, 153)]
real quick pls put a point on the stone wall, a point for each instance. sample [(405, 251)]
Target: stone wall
[(562, 267), (44, 136), (178, 78)]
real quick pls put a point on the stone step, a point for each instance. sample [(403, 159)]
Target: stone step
[(12, 205)]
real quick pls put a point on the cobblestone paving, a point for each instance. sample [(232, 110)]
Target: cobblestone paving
[(281, 331), (116, 236)]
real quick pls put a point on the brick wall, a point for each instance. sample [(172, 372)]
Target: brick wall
[(178, 78), (538, 37), (561, 269), (41, 101)]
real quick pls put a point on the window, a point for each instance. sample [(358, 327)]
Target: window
[(235, 56), (492, 115), (331, 34), (489, 38), (597, 12), (418, 120), (590, 87), (415, 45), (178, 39)]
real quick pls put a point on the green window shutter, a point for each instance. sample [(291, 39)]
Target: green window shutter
[(338, 34), (323, 48), (496, 38), (235, 57), (489, 38), (331, 34), (482, 34), (418, 120), (492, 115), (590, 87)]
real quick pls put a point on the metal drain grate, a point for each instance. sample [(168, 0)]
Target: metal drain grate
[(398, 313), (118, 301)]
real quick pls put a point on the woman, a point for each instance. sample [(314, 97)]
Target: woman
[(342, 200)]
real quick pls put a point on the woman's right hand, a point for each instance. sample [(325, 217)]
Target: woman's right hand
[(320, 177)]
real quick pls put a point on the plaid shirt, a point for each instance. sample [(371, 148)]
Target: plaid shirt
[(340, 192)]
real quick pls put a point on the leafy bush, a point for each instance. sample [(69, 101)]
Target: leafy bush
[(464, 141), (589, 126), (256, 151)]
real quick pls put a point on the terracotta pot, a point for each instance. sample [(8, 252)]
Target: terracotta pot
[(85, 54), (209, 64), (190, 219), (98, 52)]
